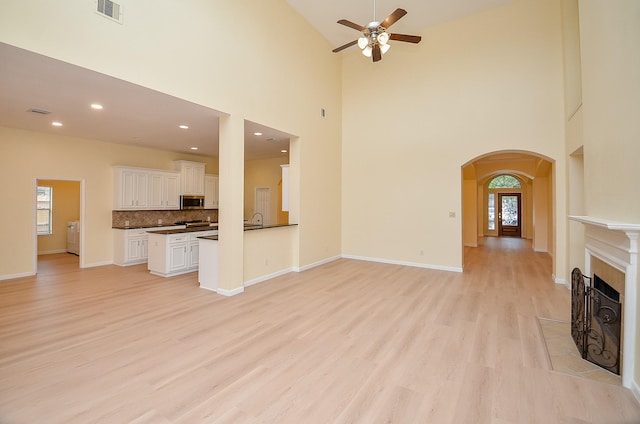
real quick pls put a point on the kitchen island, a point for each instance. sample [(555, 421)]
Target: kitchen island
[(208, 268), (176, 251)]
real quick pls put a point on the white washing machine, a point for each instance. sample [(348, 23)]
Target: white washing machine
[(73, 237)]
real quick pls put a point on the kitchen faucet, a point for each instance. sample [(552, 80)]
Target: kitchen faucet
[(261, 222)]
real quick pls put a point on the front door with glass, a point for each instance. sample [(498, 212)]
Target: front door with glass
[(509, 216)]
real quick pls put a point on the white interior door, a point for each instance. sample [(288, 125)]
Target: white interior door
[(262, 206)]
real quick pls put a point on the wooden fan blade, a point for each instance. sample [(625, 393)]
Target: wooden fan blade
[(406, 38), (351, 25), (376, 53), (393, 18), (337, 49)]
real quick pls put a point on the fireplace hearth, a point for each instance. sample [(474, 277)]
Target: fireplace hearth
[(596, 315)]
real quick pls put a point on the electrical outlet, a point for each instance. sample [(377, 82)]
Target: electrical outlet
[(421, 252), (452, 214), (126, 223), (159, 222)]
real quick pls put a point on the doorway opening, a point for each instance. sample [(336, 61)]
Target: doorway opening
[(58, 227), (508, 194)]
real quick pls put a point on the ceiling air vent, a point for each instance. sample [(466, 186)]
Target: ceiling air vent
[(109, 9), (38, 111)]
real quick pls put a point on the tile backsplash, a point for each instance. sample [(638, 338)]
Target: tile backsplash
[(143, 218)]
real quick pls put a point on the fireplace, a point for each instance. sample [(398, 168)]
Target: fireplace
[(611, 253), (596, 317)]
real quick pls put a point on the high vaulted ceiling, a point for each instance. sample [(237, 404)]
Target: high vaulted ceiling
[(421, 14), (139, 116)]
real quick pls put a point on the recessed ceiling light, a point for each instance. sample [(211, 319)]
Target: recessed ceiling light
[(194, 148), (56, 124), (96, 106), (257, 133), (184, 127)]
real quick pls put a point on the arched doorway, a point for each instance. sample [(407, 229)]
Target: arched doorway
[(483, 196)]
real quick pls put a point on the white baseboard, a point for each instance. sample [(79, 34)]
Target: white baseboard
[(267, 277), (315, 264), (52, 252), (635, 389), (20, 275), (95, 264), (560, 281), (230, 293), (412, 264), (208, 288)]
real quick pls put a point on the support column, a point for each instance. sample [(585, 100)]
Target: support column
[(231, 210)]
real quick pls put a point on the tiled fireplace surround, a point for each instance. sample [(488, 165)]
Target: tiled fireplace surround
[(611, 248)]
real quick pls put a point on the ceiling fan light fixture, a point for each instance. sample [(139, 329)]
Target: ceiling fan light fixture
[(374, 38)]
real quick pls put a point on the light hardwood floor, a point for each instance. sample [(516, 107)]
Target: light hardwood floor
[(347, 342)]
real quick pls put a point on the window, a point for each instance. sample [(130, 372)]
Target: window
[(504, 181), (44, 212), (491, 213)]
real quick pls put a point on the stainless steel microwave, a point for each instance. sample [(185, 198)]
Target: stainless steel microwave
[(191, 202)]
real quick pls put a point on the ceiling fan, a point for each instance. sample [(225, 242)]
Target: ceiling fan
[(375, 36)]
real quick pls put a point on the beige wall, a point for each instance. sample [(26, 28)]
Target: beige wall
[(470, 213), (300, 72), (610, 42), (489, 82), (66, 207)]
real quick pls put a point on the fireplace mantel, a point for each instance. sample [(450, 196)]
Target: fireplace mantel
[(608, 224), (616, 243)]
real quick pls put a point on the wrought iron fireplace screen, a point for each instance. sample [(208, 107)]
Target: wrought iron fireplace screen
[(595, 323)]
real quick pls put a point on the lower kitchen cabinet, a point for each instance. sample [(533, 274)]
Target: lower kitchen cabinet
[(174, 254), (130, 247)]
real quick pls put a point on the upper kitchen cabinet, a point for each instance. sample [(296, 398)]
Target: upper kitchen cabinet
[(211, 192), (164, 190), (191, 177), (144, 189), (131, 188)]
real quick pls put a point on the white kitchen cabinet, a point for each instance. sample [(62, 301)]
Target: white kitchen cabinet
[(285, 187), (164, 189), (131, 247), (174, 254), (191, 177), (130, 189), (145, 189), (211, 192)]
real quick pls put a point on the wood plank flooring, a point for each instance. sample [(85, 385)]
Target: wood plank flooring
[(347, 342)]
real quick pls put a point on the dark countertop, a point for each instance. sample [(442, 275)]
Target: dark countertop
[(247, 228), (138, 227), (183, 230)]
